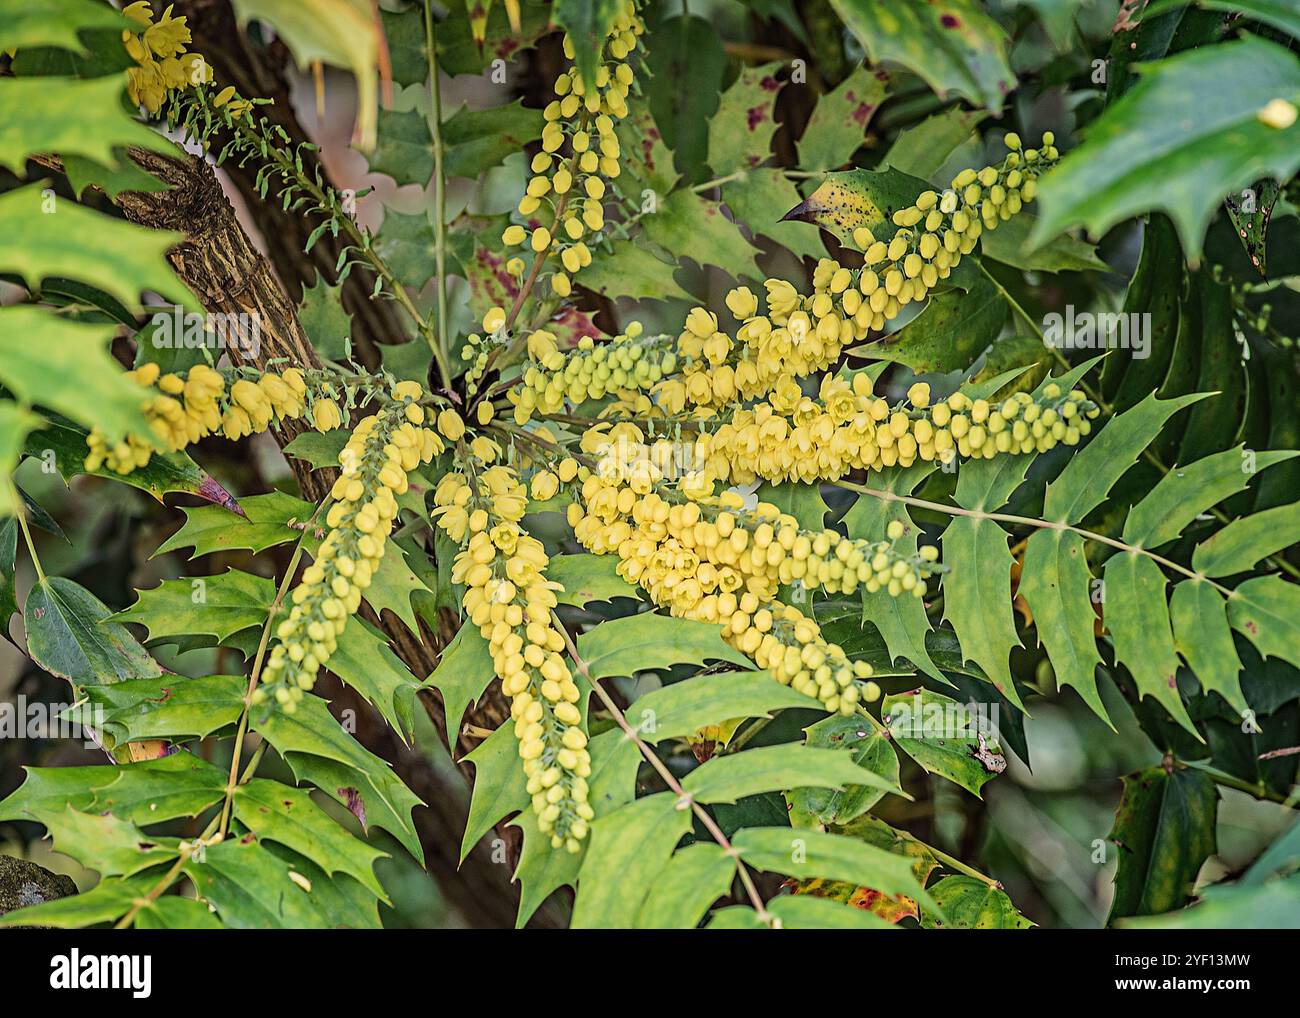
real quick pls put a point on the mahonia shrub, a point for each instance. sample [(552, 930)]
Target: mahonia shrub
[(722, 456)]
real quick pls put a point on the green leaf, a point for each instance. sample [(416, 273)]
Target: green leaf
[(740, 133), (64, 444), (541, 869), (61, 238), (646, 160), (638, 643), (251, 888), (1137, 615), (1267, 610), (802, 501), (474, 141), (56, 23), (627, 269), (1010, 245), (1164, 830), (776, 768), (838, 123), (365, 662), (1186, 492), (277, 812), (971, 904), (15, 424), (953, 45), (1178, 142), (1057, 585), (323, 319), (945, 737), (318, 750), (1281, 14), (1203, 637), (106, 902), (901, 620), (71, 118), (1243, 542), (628, 850), (922, 150), (949, 334), (804, 853), (464, 671), (807, 912), (867, 747), (844, 201), (499, 784), (216, 606), (685, 707), (587, 578), (173, 913), (268, 521), (694, 879), (70, 634), (691, 226), (172, 707), (343, 33), (1085, 482), (685, 62), (760, 198), (105, 843), (408, 245), (8, 573), (65, 365), (588, 23), (1274, 906)]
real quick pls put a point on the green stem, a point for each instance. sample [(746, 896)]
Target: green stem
[(20, 511)]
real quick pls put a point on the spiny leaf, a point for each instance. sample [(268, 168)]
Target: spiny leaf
[(694, 879), (365, 662), (65, 365), (1085, 482), (627, 851), (499, 785), (64, 239), (921, 150), (1137, 615), (251, 888), (806, 912), (629, 270), (1184, 493), (1267, 610), (844, 201), (696, 227), (838, 123), (1243, 542), (71, 633), (1178, 142), (169, 707), (105, 843), (1164, 830), (107, 901), (757, 199), (641, 642), (775, 768), (740, 133), (683, 708), (464, 671), (1057, 585), (587, 578), (953, 45), (55, 23), (1201, 634), (268, 521), (216, 606)]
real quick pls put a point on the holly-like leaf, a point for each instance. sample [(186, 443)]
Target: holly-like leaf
[(214, 606), (105, 843), (629, 270), (740, 133), (759, 198), (324, 321), (838, 124), (642, 642), (1178, 142), (690, 225), (61, 238), (842, 202), (1243, 542), (867, 747), (683, 708), (949, 334), (464, 671), (1164, 831), (1266, 610), (170, 707), (953, 45), (775, 768), (587, 578), (106, 902), (365, 662), (269, 520), (694, 879), (921, 150)]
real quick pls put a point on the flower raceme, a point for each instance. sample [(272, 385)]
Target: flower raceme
[(374, 465), (162, 64), (510, 600), (580, 153)]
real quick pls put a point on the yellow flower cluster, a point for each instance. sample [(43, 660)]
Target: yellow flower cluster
[(510, 600), (932, 235), (581, 117), (374, 465), (713, 560), (791, 437), (626, 364), (158, 49), (185, 407)]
